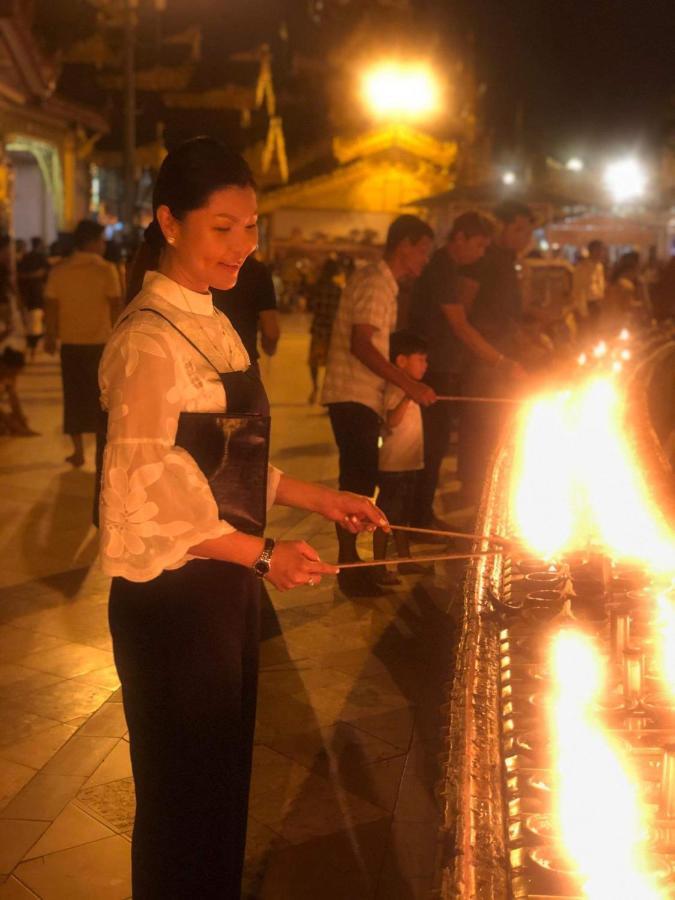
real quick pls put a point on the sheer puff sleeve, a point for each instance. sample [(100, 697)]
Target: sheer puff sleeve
[(155, 501)]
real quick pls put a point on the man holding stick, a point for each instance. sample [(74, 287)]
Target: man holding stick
[(485, 320), (437, 295), (358, 368)]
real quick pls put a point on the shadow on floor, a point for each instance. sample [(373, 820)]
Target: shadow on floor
[(365, 822)]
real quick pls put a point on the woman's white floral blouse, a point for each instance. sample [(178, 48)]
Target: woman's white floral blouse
[(155, 501)]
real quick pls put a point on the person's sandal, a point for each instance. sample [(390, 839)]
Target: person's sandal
[(386, 578)]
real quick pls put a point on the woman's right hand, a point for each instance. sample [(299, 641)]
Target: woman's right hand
[(295, 563)]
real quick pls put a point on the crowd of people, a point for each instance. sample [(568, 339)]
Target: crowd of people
[(469, 344)]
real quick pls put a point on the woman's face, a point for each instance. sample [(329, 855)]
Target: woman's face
[(208, 246)]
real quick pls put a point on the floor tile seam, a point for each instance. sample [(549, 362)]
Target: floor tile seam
[(37, 840), (339, 790), (97, 817), (27, 785), (353, 723), (46, 856), (23, 884), (63, 680)]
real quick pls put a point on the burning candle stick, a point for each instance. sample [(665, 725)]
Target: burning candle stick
[(667, 792), (633, 675), (666, 628), (619, 624)]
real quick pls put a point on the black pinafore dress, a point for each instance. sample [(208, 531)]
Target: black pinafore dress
[(186, 650)]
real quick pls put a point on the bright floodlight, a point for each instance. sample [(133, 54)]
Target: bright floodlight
[(508, 178), (625, 179), (575, 164), (396, 90)]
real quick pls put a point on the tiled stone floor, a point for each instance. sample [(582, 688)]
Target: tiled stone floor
[(347, 739)]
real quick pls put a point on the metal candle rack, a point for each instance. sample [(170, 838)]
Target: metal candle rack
[(635, 711)]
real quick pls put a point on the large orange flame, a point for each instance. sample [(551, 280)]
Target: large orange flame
[(577, 479), (600, 819)]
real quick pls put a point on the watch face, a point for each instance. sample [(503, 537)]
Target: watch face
[(262, 567)]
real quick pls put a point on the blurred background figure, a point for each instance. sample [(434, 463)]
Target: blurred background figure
[(588, 288), (325, 299), (13, 420), (251, 306), (663, 293), (32, 270), (626, 301), (83, 297)]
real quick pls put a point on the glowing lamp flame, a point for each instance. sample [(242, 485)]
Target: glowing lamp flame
[(624, 334), (543, 478), (577, 479), (600, 350), (619, 504), (582, 359), (604, 836)]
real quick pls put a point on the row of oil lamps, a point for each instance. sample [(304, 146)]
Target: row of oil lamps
[(560, 714)]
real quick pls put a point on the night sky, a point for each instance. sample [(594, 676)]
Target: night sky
[(588, 75)]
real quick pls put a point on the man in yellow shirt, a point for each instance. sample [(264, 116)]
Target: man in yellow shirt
[(83, 298)]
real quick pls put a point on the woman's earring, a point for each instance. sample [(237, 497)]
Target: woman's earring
[(172, 241)]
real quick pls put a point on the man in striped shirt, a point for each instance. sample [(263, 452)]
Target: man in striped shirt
[(358, 369)]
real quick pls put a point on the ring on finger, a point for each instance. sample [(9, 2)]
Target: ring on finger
[(311, 582)]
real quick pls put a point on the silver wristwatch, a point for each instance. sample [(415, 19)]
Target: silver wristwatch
[(263, 563)]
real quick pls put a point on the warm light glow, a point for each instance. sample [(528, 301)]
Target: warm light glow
[(575, 164), (582, 359), (601, 822), (508, 178), (600, 350), (625, 179), (666, 630), (624, 334), (396, 90), (577, 480), (620, 507), (543, 479)]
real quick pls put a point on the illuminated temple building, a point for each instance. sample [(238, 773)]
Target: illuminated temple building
[(46, 139)]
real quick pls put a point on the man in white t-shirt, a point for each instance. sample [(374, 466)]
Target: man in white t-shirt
[(401, 457), (358, 369)]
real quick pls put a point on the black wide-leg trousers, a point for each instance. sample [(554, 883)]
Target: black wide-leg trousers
[(186, 649)]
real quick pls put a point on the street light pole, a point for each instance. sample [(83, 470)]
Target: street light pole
[(129, 115)]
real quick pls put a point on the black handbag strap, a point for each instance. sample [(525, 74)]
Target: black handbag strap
[(175, 327)]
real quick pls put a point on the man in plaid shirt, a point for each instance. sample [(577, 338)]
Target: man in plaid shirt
[(358, 368)]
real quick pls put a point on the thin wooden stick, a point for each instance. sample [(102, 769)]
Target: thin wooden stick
[(460, 399), (362, 564), (495, 538)]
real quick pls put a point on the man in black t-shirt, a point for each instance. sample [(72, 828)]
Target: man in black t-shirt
[(441, 287), (487, 325), (251, 305)]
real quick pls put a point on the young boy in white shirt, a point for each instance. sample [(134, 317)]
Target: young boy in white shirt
[(401, 454)]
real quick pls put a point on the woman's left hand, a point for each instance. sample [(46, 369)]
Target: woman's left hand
[(353, 512)]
